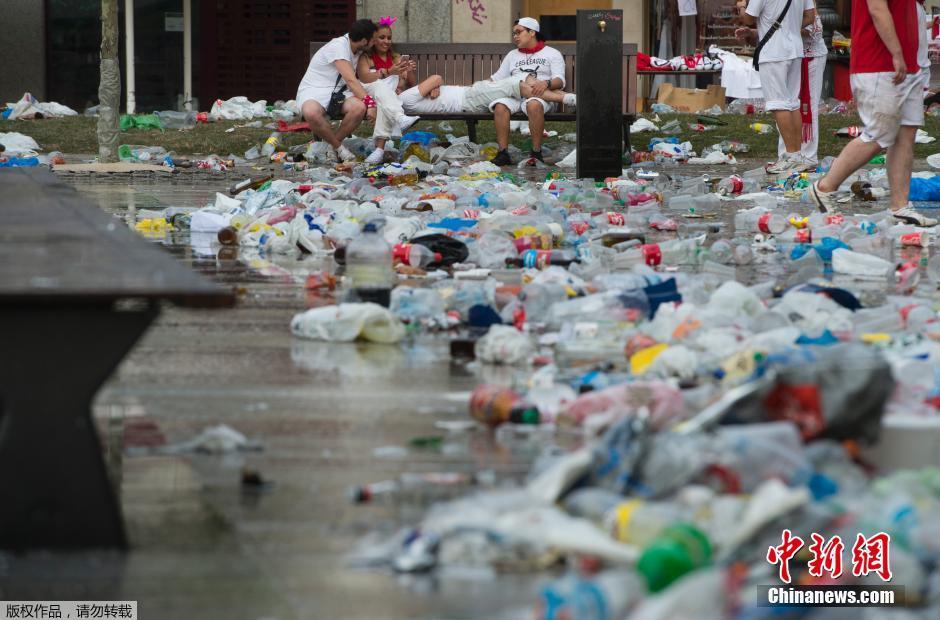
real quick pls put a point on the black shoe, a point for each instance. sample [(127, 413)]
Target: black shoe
[(537, 155), (502, 159)]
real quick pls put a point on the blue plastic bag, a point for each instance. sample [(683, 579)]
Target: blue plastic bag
[(925, 189), (421, 137)]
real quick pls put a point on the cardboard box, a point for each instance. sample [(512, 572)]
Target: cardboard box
[(691, 99)]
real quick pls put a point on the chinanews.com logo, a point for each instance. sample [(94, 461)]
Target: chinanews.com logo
[(826, 582)]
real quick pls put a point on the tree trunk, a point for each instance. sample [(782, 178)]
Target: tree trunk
[(109, 85)]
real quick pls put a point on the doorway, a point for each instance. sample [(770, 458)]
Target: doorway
[(558, 18)]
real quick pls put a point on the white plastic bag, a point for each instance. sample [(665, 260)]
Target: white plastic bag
[(347, 322), (504, 345), (17, 143)]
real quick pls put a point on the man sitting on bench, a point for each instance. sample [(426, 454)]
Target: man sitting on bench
[(331, 75), (532, 57), (432, 97)]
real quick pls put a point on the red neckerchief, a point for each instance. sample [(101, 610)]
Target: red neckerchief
[(382, 63), (533, 50)]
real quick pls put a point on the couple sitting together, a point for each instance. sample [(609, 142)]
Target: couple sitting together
[(343, 82)]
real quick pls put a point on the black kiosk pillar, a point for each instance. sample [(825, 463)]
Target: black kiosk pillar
[(600, 93)]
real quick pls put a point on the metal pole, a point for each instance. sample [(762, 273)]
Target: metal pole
[(188, 55), (129, 56)]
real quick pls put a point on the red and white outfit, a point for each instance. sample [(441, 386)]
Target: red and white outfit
[(814, 59), (546, 63), (884, 106)]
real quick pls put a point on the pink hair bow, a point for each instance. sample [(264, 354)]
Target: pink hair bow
[(388, 20)]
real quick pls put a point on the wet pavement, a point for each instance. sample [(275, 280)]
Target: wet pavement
[(327, 416), (203, 548)]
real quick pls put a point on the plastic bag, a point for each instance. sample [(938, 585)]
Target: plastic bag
[(17, 143), (140, 121), (347, 322), (504, 345)]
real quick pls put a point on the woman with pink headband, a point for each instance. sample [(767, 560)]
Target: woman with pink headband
[(384, 63), (383, 74)]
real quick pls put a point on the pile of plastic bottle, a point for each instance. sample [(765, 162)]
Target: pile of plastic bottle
[(725, 355)]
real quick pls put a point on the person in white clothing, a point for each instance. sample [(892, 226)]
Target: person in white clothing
[(533, 57), (924, 24), (331, 70), (432, 97), (779, 68), (814, 55), (383, 73)]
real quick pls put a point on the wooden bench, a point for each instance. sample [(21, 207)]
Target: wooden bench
[(462, 64), (77, 290)]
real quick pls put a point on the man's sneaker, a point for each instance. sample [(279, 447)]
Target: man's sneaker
[(345, 154), (536, 155), (908, 215), (330, 158), (824, 201), (570, 100), (502, 158), (787, 164), (405, 122), (376, 157)]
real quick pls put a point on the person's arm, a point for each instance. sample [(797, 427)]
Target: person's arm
[(748, 11), (503, 72), (809, 16), (557, 81), (432, 83), (365, 70), (884, 25), (349, 76)]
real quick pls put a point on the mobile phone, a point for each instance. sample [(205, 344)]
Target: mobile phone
[(405, 57)]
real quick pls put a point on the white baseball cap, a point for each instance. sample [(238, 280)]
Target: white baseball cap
[(528, 22)]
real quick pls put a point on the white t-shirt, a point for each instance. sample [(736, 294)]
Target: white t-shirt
[(546, 64), (786, 43), (923, 59), (321, 72), (449, 101)]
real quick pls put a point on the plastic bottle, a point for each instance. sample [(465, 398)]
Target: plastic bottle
[(415, 255), (271, 144), (759, 219), (176, 120), (735, 185), (909, 236), (494, 405), (250, 183), (672, 252), (852, 131), (603, 596), (796, 235), (865, 191), (540, 259), (679, 550), (369, 265), (721, 251), (228, 236)]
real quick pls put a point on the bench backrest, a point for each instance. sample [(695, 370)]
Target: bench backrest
[(462, 64)]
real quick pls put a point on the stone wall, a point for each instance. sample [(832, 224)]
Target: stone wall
[(419, 21)]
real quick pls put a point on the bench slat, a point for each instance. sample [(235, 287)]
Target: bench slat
[(55, 245)]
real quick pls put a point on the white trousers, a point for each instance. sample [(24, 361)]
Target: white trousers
[(388, 108), (817, 67)]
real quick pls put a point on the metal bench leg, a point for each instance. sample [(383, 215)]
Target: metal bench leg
[(472, 131), (56, 490), (627, 122)]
